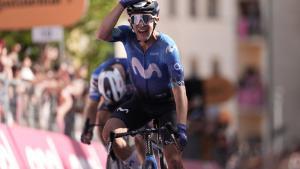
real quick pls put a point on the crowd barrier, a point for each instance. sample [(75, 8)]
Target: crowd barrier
[(27, 148), (22, 148)]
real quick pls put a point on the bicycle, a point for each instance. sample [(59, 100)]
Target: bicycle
[(150, 144)]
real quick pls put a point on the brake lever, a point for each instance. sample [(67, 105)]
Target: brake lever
[(174, 135)]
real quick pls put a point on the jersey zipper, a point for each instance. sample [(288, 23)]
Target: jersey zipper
[(146, 80)]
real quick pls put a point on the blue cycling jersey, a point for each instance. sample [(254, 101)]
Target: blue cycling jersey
[(94, 93), (155, 71)]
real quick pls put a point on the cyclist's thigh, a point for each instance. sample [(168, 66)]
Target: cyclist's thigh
[(113, 124), (132, 114)]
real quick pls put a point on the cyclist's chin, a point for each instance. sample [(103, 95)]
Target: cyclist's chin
[(143, 37)]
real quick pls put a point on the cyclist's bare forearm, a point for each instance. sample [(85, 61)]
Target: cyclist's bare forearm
[(90, 110), (181, 103), (105, 30)]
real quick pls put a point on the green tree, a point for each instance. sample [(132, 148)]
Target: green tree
[(84, 31)]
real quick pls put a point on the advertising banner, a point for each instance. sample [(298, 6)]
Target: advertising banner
[(41, 149), (9, 156), (25, 14)]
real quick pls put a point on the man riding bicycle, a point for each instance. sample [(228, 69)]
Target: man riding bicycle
[(156, 73), (109, 87)]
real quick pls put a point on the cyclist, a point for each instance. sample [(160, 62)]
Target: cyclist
[(109, 87), (156, 73)]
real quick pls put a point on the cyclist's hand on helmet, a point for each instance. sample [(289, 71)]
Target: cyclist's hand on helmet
[(87, 133), (182, 136), (126, 3)]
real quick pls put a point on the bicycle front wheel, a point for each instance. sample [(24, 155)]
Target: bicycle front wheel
[(149, 165), (113, 163), (150, 162)]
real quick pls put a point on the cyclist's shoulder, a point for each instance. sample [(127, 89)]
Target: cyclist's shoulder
[(164, 38), (107, 63), (121, 29), (168, 44), (122, 61), (102, 66)]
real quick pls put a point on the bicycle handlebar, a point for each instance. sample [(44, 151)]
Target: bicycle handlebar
[(145, 131)]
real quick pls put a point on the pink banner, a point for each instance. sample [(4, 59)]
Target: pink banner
[(9, 158), (41, 149), (190, 164), (22, 148)]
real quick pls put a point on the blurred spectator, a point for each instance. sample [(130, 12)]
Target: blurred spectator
[(196, 114), (70, 98), (7, 63), (249, 18), (250, 106), (14, 54), (2, 46), (218, 90), (250, 90), (41, 94), (26, 70), (194, 89), (243, 27)]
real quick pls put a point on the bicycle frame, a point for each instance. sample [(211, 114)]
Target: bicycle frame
[(149, 157), (150, 145)]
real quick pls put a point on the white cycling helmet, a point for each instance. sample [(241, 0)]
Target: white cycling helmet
[(111, 85)]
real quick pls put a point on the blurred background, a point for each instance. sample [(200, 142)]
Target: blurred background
[(241, 60)]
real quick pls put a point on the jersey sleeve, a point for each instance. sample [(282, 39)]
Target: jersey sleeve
[(120, 33), (175, 67), (94, 93)]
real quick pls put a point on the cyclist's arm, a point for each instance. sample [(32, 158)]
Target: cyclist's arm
[(177, 81), (94, 98), (180, 97), (90, 110), (105, 30)]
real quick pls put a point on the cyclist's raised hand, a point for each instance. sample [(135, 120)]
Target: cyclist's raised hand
[(126, 3), (182, 137), (87, 133)]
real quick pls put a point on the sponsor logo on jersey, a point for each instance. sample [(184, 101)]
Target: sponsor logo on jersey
[(145, 73), (170, 49), (178, 66), (123, 110), (154, 53)]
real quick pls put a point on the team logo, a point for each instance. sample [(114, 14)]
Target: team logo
[(170, 49), (123, 110), (178, 66), (145, 73)]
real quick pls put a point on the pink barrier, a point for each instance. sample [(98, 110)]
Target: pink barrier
[(9, 156), (22, 148), (29, 148), (189, 164)]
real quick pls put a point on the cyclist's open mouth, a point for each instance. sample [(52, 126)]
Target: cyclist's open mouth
[(143, 31)]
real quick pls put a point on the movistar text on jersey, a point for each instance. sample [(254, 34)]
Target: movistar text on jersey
[(25, 3)]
